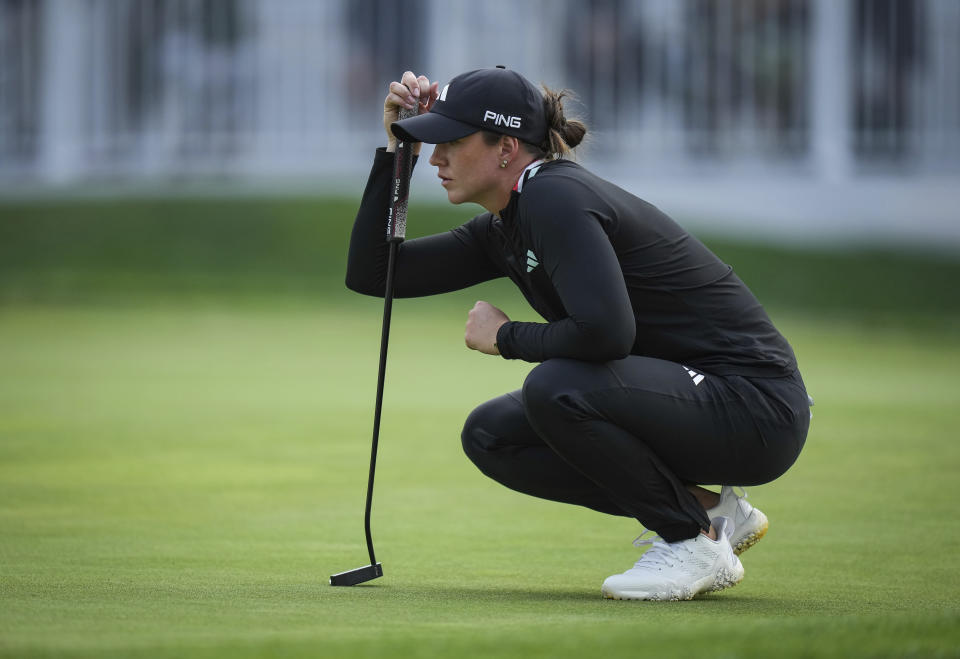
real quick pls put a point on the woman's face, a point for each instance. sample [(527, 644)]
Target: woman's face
[(468, 171)]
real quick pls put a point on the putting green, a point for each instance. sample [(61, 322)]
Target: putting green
[(180, 481)]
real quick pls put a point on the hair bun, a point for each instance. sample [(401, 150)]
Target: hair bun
[(563, 134)]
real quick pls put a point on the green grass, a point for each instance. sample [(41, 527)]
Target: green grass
[(186, 397), (198, 251), (181, 483)]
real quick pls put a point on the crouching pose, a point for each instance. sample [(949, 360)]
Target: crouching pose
[(658, 371)]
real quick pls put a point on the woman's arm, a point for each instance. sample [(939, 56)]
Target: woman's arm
[(576, 254), (425, 266)]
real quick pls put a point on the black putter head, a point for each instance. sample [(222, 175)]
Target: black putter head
[(353, 577)]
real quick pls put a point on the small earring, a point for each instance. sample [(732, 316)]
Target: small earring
[(503, 164)]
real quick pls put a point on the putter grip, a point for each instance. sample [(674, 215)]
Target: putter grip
[(402, 166)]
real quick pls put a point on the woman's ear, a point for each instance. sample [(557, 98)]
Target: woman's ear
[(509, 147)]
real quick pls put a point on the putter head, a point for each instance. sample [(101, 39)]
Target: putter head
[(353, 577)]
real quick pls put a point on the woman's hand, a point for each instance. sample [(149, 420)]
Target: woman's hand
[(483, 321), (411, 92)]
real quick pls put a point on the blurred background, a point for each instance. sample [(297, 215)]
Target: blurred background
[(801, 120)]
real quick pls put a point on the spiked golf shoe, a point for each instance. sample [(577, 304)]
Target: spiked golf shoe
[(748, 523), (679, 570)]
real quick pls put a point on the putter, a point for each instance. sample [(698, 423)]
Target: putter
[(396, 232)]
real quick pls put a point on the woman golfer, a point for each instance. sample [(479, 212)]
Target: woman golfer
[(658, 370)]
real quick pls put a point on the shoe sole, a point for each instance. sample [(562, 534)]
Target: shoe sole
[(754, 533), (725, 578), (666, 596)]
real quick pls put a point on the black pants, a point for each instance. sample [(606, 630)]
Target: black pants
[(626, 437)]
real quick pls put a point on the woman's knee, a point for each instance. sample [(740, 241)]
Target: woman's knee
[(491, 425), (475, 438)]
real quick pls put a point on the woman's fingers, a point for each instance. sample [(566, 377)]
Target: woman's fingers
[(433, 91), (412, 83), (483, 322), (402, 96), (411, 92), (423, 87)]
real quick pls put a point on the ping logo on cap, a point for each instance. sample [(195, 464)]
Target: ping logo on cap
[(501, 120)]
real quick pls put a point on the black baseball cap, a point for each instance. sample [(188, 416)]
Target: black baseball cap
[(497, 100)]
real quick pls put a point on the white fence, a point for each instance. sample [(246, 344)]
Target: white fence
[(108, 92)]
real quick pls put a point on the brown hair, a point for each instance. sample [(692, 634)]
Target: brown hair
[(563, 135)]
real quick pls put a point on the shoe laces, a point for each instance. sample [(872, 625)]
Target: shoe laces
[(661, 553)]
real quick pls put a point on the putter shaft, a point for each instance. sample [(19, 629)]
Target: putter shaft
[(396, 232)]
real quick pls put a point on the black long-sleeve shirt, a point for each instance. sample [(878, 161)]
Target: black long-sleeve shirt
[(610, 273)]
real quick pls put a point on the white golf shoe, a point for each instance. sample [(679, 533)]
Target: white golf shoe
[(748, 523), (679, 570)]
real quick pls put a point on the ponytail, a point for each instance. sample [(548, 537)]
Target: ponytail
[(563, 135)]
